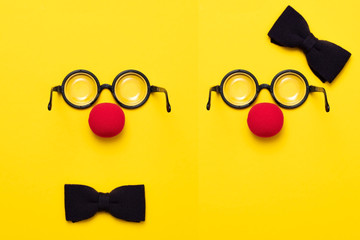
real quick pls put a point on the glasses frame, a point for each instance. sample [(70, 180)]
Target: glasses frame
[(309, 89), (100, 88)]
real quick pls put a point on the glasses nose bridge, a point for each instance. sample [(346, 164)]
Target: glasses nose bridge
[(266, 86), (105, 86)]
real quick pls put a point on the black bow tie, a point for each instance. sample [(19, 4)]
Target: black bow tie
[(126, 202), (325, 59)]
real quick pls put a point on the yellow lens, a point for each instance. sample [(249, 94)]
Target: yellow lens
[(239, 89), (289, 89), (131, 89), (80, 89)]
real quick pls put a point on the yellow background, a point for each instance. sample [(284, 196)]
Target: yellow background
[(206, 176)]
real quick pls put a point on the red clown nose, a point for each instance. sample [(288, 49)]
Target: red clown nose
[(265, 119), (106, 119)]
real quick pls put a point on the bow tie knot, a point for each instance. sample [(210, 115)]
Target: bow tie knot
[(104, 201), (308, 43)]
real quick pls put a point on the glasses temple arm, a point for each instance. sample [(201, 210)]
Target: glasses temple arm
[(215, 89), (160, 89), (321, 89), (54, 89)]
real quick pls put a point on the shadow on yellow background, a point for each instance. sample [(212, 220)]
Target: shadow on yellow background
[(206, 176)]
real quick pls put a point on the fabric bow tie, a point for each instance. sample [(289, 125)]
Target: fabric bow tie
[(325, 59), (126, 202)]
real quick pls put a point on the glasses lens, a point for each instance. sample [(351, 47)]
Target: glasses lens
[(239, 89), (289, 89), (80, 89), (131, 89)]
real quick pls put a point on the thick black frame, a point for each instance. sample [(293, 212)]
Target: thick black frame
[(100, 88), (270, 88)]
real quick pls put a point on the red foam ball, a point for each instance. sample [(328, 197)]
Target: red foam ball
[(265, 119), (106, 119)]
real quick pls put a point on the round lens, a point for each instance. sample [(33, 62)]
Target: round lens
[(80, 89), (131, 89), (289, 89), (239, 89)]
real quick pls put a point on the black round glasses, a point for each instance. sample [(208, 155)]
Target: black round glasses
[(289, 88), (131, 89)]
